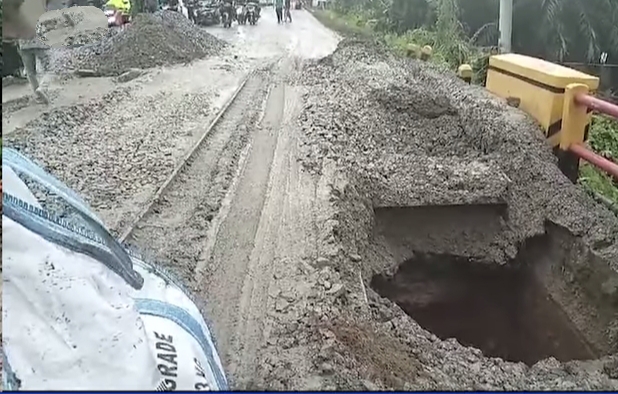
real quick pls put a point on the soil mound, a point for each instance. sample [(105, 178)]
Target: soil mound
[(152, 40), (422, 164), (88, 37)]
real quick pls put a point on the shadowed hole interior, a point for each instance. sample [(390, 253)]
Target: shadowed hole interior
[(502, 311)]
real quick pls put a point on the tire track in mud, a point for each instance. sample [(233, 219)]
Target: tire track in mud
[(174, 229), (270, 285), (228, 269), (186, 161), (218, 225), (250, 272)]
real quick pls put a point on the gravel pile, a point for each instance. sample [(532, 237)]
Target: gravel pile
[(89, 37), (399, 132), (384, 118), (59, 22), (152, 40)]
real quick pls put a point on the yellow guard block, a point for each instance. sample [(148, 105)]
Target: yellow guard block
[(538, 84), (465, 72)]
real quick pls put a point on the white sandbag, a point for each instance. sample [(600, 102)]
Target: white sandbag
[(71, 320), (69, 323), (12, 183), (186, 355)]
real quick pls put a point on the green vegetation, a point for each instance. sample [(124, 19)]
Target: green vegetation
[(557, 30), (604, 140), (465, 31), (441, 29)]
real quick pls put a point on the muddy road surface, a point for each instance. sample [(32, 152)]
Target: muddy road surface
[(346, 220), (222, 222), (123, 145)]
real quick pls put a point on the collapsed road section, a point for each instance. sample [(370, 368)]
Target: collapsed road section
[(466, 235)]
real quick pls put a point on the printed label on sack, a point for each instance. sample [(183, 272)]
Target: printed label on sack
[(180, 359), (167, 360)]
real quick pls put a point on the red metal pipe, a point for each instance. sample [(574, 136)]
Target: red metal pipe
[(598, 105), (606, 165)]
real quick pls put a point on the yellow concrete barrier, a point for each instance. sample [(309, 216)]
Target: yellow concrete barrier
[(413, 51), (574, 117), (426, 52), (465, 72), (540, 87)]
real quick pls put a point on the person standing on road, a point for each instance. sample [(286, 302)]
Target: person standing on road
[(287, 13), (279, 10), (18, 25), (34, 52)]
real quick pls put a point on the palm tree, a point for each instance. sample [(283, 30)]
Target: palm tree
[(575, 30), (558, 30)]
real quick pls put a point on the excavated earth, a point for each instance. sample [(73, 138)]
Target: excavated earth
[(151, 40), (454, 242)]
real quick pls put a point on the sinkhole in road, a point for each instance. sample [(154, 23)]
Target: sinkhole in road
[(502, 311)]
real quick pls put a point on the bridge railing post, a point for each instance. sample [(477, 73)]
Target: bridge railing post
[(465, 73), (574, 121), (426, 53)]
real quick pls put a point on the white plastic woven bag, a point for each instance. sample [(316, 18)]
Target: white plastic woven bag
[(80, 313)]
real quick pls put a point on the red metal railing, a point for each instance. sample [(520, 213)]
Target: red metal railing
[(581, 151)]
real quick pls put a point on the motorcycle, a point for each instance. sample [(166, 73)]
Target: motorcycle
[(206, 16), (226, 19), (252, 15), (241, 15)]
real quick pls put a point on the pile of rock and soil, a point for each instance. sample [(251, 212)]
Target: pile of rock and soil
[(424, 171), (88, 37), (152, 40), (73, 26)]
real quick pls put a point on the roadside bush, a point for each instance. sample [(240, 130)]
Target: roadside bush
[(603, 139)]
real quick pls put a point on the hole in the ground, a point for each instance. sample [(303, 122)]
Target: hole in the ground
[(501, 310)]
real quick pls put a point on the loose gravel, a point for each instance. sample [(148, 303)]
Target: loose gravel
[(152, 40), (89, 37), (394, 132), (390, 121)]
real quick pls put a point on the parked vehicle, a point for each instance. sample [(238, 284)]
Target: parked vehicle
[(170, 5), (12, 64), (241, 15), (226, 18), (252, 14), (82, 3), (205, 14)]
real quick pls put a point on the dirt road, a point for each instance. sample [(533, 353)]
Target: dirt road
[(306, 186), (219, 224), (225, 224)]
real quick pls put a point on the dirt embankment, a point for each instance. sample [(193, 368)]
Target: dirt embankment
[(441, 189)]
